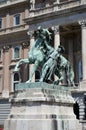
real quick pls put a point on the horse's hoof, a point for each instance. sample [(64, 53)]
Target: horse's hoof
[(75, 87), (29, 81), (56, 82), (41, 80)]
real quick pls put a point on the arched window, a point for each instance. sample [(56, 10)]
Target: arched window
[(16, 52), (0, 54), (17, 20), (80, 75), (0, 23), (16, 80), (37, 75), (0, 83)]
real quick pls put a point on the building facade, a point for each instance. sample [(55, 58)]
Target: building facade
[(66, 19), (14, 45)]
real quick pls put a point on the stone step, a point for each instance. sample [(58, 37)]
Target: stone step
[(4, 112)]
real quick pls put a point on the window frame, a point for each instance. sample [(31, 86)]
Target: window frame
[(1, 55), (1, 83), (15, 19), (14, 81), (63, 1), (80, 71), (1, 23), (13, 54)]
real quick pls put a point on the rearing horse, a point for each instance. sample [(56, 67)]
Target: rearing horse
[(36, 56)]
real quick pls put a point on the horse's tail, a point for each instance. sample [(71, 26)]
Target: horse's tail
[(71, 76), (19, 63)]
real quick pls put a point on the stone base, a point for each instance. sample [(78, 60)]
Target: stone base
[(42, 108), (83, 124), (42, 124), (83, 86)]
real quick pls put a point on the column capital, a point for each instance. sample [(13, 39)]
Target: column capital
[(25, 44), (30, 33), (82, 23), (6, 48), (55, 29)]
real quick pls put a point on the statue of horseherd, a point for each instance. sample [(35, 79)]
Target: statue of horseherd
[(51, 61)]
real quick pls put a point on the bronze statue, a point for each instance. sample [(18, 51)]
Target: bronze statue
[(63, 65), (37, 54), (51, 64), (57, 64), (50, 60)]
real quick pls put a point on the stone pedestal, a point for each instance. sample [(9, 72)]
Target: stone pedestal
[(41, 106), (83, 86)]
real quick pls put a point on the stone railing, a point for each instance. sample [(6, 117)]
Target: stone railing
[(54, 7), (4, 3)]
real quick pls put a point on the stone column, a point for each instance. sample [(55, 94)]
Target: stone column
[(56, 40), (6, 63), (32, 40), (56, 37), (26, 12), (7, 21), (83, 43), (70, 51), (26, 16), (25, 46), (83, 34), (25, 67)]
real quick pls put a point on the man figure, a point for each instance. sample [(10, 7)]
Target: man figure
[(51, 64)]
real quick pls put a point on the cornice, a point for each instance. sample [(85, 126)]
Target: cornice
[(13, 29), (56, 14), (11, 4)]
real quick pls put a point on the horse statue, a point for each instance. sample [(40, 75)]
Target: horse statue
[(38, 53)]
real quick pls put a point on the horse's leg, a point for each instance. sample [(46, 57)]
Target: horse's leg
[(60, 76), (33, 71), (44, 71), (19, 63)]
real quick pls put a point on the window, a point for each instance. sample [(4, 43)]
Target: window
[(0, 54), (2, 1), (0, 23), (15, 80), (37, 75), (80, 71), (16, 52), (0, 83), (17, 19), (64, 0)]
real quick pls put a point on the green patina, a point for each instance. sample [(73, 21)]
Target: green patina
[(48, 59), (22, 86)]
